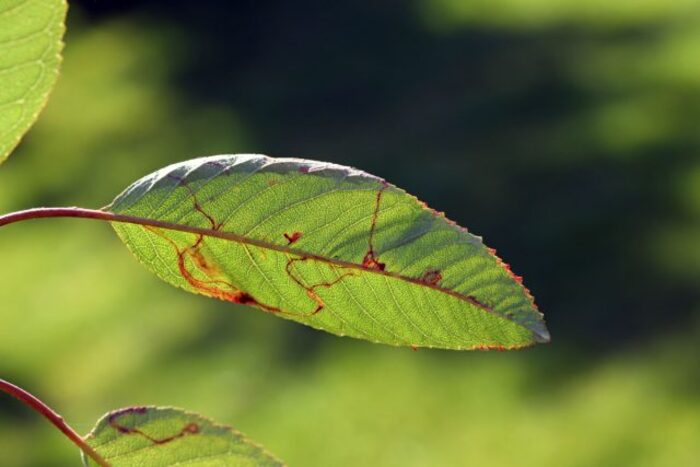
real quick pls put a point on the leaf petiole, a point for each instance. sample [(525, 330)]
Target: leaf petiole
[(47, 412)]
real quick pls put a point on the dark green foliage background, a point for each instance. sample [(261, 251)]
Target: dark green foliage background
[(567, 136)]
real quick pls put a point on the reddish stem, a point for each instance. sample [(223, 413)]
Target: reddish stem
[(48, 413), (38, 213)]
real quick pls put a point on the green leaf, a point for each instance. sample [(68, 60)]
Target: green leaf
[(30, 47), (157, 436), (328, 246)]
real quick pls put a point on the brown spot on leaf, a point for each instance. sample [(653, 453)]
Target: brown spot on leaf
[(431, 277), (370, 261), (293, 237)]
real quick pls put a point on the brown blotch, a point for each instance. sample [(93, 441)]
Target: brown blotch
[(293, 237), (431, 277), (370, 261)]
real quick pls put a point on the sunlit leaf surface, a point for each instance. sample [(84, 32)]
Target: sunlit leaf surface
[(30, 46), (328, 246), (154, 437)]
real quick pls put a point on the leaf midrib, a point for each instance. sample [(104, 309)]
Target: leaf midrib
[(104, 215), (125, 218)]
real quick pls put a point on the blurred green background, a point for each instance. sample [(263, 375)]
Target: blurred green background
[(566, 133)]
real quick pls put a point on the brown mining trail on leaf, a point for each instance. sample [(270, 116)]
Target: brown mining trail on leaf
[(370, 260), (311, 289), (198, 207), (215, 288), (112, 420)]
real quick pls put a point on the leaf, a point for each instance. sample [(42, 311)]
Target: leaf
[(157, 436), (328, 246), (30, 46)]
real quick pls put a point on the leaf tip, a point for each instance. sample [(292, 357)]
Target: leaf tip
[(541, 334)]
